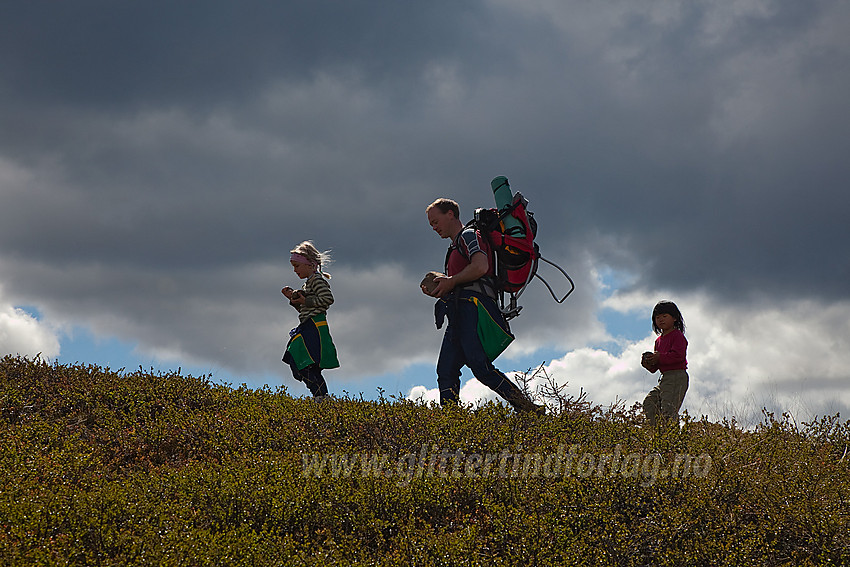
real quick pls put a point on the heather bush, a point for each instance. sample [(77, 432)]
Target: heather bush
[(114, 468)]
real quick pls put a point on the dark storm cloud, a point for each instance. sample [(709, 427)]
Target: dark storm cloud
[(128, 107), (198, 53), (165, 147), (714, 158)]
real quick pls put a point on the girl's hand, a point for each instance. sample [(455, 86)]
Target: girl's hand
[(649, 360), (296, 298)]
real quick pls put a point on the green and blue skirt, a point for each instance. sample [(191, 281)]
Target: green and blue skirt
[(311, 343)]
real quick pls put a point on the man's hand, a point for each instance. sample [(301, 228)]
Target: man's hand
[(444, 286), (428, 284), (478, 266)]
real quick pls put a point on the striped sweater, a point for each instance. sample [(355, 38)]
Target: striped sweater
[(317, 297)]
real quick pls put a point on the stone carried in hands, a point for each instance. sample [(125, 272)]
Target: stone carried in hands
[(429, 283)]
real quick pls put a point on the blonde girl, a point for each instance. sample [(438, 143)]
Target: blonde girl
[(310, 348)]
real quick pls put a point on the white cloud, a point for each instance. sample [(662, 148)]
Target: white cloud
[(423, 394), (471, 392), (792, 356), (24, 335)]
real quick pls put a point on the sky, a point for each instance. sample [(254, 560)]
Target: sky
[(158, 161)]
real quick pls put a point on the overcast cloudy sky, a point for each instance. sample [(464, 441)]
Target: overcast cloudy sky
[(158, 161)]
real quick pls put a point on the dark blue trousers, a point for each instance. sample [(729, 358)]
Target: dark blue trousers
[(311, 376), (462, 347)]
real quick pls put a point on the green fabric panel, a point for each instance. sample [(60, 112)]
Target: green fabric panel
[(493, 337), (298, 349), (328, 356), (313, 344)]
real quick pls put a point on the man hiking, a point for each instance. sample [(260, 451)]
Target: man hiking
[(477, 331)]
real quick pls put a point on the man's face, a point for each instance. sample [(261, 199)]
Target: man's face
[(441, 222)]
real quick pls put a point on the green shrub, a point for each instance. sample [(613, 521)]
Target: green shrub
[(114, 468)]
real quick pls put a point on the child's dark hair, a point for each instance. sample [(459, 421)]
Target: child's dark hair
[(669, 308)]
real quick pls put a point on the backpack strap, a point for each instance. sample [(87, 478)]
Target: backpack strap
[(455, 246), (485, 285)]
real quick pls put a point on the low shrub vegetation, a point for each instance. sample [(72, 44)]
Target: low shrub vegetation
[(141, 468)]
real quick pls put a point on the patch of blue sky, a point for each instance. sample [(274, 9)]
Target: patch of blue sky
[(611, 280), (387, 385), (624, 327), (80, 345), (30, 310)]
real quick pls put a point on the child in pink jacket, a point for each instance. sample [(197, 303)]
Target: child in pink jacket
[(670, 357)]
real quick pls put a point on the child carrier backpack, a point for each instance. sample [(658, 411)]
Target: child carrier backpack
[(510, 232)]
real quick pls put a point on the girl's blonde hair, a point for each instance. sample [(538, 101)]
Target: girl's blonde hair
[(309, 251)]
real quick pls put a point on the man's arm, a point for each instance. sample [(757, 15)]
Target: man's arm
[(477, 268)]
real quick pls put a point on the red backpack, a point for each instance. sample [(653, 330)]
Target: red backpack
[(513, 251)]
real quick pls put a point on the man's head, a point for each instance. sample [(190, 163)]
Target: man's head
[(444, 217)]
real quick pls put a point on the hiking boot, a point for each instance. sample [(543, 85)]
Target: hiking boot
[(522, 404), (530, 407)]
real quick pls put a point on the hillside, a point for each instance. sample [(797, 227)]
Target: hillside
[(135, 468)]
